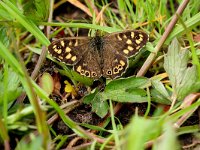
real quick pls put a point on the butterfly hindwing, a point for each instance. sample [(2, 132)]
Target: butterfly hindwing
[(114, 64), (89, 65)]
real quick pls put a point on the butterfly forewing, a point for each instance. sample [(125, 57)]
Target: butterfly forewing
[(117, 48), (69, 51), (129, 42)]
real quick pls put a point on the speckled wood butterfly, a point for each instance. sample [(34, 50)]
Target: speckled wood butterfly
[(105, 56)]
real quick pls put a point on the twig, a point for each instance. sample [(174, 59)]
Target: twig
[(152, 56)]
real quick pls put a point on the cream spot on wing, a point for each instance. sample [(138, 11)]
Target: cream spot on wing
[(141, 35), (138, 47), (138, 41), (76, 44), (60, 57), (129, 41), (122, 62), (73, 58), (119, 38), (132, 34), (68, 56), (70, 43), (130, 48), (116, 60), (124, 36), (62, 43), (54, 46), (67, 49), (59, 51), (78, 69), (126, 51)]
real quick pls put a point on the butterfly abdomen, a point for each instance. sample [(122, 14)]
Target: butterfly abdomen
[(97, 43)]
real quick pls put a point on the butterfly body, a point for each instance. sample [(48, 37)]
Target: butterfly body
[(105, 56)]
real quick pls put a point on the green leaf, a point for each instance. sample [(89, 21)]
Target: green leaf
[(160, 88), (121, 90), (190, 23), (127, 83), (82, 25), (35, 143), (159, 94), (3, 36), (139, 131), (188, 129), (89, 98), (37, 10), (159, 98), (4, 15), (189, 82), (99, 105), (13, 11), (46, 83), (13, 88), (168, 141), (183, 78), (175, 63), (126, 90)]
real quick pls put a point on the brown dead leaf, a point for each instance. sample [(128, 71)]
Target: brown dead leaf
[(197, 38)]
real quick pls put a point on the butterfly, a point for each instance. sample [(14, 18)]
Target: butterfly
[(98, 56)]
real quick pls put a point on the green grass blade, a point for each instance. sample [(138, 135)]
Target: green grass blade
[(190, 23), (28, 24), (83, 25)]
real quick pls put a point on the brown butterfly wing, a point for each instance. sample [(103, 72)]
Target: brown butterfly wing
[(117, 48), (114, 63), (68, 51), (89, 65), (77, 52), (128, 42)]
